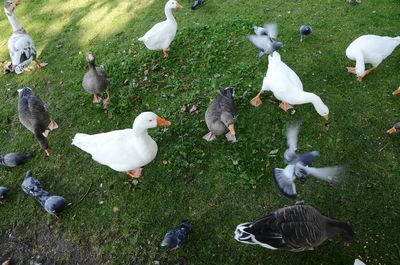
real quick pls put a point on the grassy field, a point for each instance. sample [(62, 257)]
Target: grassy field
[(216, 185)]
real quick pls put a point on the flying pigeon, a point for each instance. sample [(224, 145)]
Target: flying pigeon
[(52, 204), (264, 39), (299, 166), (197, 3), (305, 30), (175, 237), (14, 159)]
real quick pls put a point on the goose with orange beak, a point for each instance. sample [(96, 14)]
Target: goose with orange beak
[(394, 129), (125, 150), (221, 115), (160, 36)]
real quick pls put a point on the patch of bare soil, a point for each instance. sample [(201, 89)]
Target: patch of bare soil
[(40, 246)]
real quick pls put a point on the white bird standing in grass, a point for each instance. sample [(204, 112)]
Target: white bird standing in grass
[(287, 87), (370, 49), (124, 150), (160, 36), (20, 45)]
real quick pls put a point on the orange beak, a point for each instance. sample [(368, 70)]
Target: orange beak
[(397, 91), (162, 122), (326, 117), (178, 5), (231, 128), (391, 130), (16, 2), (47, 151)]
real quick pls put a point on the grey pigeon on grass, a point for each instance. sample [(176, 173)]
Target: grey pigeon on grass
[(264, 39), (175, 237), (3, 194), (52, 204), (197, 3), (305, 30), (14, 159), (299, 166)]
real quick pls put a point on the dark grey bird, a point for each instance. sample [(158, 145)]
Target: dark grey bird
[(33, 114), (197, 3), (14, 159), (394, 129), (264, 39), (305, 30), (52, 204), (3, 194), (299, 166), (294, 228), (221, 115), (95, 81), (175, 237)]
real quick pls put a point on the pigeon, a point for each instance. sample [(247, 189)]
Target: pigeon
[(52, 204), (175, 237), (264, 39), (14, 159), (354, 2), (305, 30), (197, 3), (299, 166), (3, 194)]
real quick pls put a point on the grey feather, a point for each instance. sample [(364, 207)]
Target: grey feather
[(175, 237), (95, 80), (52, 204), (14, 159), (299, 166), (264, 39), (3, 192)]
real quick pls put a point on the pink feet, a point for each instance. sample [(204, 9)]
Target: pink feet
[(230, 137), (96, 98), (285, 106), (256, 101), (135, 173), (209, 137)]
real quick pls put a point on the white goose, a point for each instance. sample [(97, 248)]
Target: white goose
[(20, 45), (287, 87), (124, 150), (371, 49), (160, 36)]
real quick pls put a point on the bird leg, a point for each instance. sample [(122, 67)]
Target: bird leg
[(285, 106), (106, 101), (165, 51), (96, 98), (39, 64), (360, 78), (209, 137), (28, 69), (256, 101), (47, 151), (351, 70), (135, 173), (53, 125)]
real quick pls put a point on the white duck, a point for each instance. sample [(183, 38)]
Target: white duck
[(124, 150), (20, 45), (160, 36), (371, 49), (287, 87)]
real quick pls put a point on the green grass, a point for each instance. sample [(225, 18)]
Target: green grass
[(216, 185)]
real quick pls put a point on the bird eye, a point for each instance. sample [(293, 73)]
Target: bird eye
[(150, 120)]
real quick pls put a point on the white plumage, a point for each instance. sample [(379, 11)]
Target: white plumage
[(160, 36), (370, 49), (286, 86), (123, 150)]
